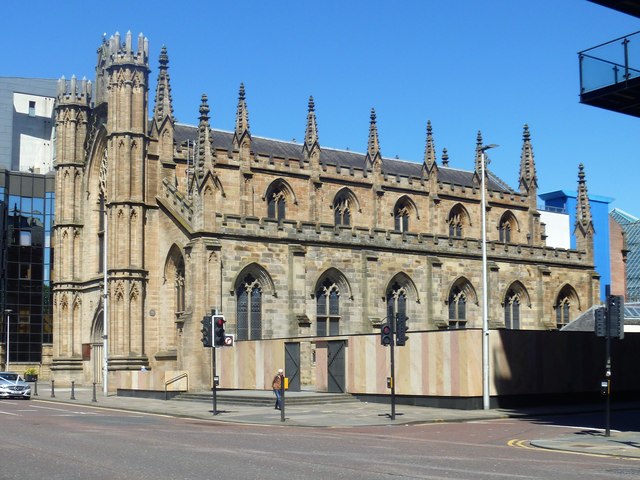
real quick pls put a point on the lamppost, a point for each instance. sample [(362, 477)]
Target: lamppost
[(105, 308), (485, 285), (7, 312)]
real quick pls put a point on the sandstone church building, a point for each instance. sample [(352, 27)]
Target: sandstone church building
[(305, 249)]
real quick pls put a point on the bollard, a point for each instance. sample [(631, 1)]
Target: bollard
[(53, 392), (73, 388), (94, 399), (35, 388)]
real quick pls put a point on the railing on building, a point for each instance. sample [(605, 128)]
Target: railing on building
[(610, 63), (549, 208)]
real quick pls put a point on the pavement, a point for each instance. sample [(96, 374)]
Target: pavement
[(302, 411)]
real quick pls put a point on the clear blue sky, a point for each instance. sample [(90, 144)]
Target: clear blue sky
[(466, 65)]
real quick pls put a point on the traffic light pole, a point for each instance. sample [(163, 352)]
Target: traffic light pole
[(393, 380), (608, 377), (214, 389)]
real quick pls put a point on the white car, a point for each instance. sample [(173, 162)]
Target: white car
[(12, 385)]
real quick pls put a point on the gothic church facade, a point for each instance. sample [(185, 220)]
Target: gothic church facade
[(296, 244)]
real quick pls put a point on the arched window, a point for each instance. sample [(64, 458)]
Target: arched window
[(457, 309), (512, 310), (457, 220), (276, 207), (563, 312), (505, 232), (396, 301), (249, 309), (179, 287), (507, 226), (342, 210), (566, 305), (401, 216), (328, 309)]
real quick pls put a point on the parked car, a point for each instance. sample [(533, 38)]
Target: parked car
[(12, 385)]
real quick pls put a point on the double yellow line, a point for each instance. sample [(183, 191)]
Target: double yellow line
[(521, 444)]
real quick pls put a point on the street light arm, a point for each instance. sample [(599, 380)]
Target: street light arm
[(488, 147)]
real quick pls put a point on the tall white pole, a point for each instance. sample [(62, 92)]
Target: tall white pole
[(485, 289), (6, 366), (105, 308), (485, 314)]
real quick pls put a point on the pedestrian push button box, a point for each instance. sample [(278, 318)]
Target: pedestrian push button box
[(604, 387)]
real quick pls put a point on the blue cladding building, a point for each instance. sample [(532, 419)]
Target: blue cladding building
[(566, 200)]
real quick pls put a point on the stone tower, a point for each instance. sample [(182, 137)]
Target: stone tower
[(73, 111), (127, 72), (102, 160)]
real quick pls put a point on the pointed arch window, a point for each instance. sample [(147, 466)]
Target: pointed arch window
[(328, 309), (563, 312), (457, 220), (396, 301), (342, 211), (401, 217), (507, 227), (276, 208), (457, 309), (505, 231), (249, 309), (512, 311), (180, 287)]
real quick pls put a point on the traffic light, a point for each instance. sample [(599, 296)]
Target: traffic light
[(218, 331), (401, 329), (386, 333), (206, 331), (600, 321), (615, 311)]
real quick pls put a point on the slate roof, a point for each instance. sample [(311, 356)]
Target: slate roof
[(586, 321), (342, 158)]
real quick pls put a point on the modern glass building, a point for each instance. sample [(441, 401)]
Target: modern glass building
[(27, 203)]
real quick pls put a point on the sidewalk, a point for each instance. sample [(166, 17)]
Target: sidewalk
[(344, 415)]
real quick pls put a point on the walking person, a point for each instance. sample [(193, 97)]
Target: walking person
[(277, 388)]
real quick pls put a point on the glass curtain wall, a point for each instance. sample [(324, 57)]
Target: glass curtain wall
[(26, 281)]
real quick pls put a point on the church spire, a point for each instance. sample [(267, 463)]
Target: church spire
[(528, 179), (584, 221), (311, 140), (163, 103), (584, 230), (429, 151), (205, 151), (242, 120), (373, 157)]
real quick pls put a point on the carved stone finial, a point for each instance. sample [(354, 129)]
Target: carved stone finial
[(445, 158)]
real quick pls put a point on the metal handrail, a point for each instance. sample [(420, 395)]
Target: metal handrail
[(173, 380), (615, 64), (610, 41)]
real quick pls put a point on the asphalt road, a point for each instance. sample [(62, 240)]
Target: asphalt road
[(43, 440)]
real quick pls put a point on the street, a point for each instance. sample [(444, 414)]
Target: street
[(50, 440)]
